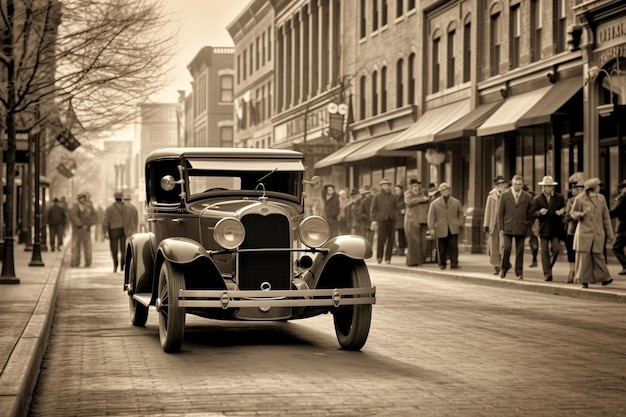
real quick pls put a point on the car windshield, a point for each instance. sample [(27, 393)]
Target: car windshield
[(245, 182)]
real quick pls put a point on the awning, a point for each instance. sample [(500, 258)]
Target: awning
[(340, 155), (559, 94), (430, 123), (467, 126), (377, 147), (530, 108)]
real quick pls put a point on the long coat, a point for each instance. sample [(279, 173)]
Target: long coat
[(594, 223), (443, 216), (514, 218), (550, 224), (619, 212)]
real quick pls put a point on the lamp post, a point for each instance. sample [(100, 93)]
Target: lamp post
[(36, 255)]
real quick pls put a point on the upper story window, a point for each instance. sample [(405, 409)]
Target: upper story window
[(257, 58), (263, 49), (269, 43), (362, 101), (251, 57), (363, 19), (244, 69), (411, 5), (436, 64), (374, 16), (411, 74), (515, 27), (238, 68), (561, 26), (467, 50), (399, 8), (451, 65), (383, 89), (200, 94), (384, 11), (536, 26), (375, 93), (226, 136), (226, 89), (400, 83), (494, 43)]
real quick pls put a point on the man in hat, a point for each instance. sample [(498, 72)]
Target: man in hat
[(363, 213), (490, 223), (576, 184), (514, 222), (619, 212), (415, 222), (445, 220), (117, 225), (383, 217), (351, 218), (134, 213), (549, 208), (82, 215), (57, 218)]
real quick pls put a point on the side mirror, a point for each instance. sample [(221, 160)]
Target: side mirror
[(316, 182), (168, 182)]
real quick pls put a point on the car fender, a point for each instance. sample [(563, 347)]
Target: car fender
[(189, 257), (330, 269), (139, 247)]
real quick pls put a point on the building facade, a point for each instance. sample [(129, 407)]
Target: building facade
[(455, 91)]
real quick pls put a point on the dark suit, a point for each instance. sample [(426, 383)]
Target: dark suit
[(551, 229), (619, 212), (514, 221)]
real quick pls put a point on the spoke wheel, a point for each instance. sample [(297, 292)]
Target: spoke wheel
[(352, 322), (171, 316), (138, 311)]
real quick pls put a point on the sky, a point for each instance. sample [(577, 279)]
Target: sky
[(199, 23)]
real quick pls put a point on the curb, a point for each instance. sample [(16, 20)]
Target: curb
[(22, 370), (573, 291)]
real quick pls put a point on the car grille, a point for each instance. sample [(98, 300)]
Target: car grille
[(262, 232)]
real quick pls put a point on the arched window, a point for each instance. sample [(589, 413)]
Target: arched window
[(399, 83), (383, 90), (411, 74)]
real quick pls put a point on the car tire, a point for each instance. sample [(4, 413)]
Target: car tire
[(171, 316), (352, 322), (138, 311)]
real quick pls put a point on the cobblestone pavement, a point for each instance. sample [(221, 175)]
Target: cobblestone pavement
[(437, 347)]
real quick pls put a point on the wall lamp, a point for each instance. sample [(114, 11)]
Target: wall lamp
[(553, 76), (594, 72)]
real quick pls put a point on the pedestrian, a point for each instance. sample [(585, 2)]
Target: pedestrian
[(415, 222), (134, 214), (82, 216), (594, 230), (400, 242), (56, 219), (576, 185), (383, 218), (117, 225), (548, 209), (331, 208), (99, 236), (445, 220), (363, 214), (514, 222), (351, 219), (533, 234), (490, 223), (619, 212), (344, 201)]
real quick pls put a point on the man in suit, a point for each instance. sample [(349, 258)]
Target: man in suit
[(549, 208), (445, 220), (514, 222), (383, 213)]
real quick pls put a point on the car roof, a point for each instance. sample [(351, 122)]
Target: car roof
[(226, 153)]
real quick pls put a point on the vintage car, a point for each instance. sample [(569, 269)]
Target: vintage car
[(228, 239)]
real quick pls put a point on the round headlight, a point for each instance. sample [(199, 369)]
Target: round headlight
[(229, 233), (314, 231)]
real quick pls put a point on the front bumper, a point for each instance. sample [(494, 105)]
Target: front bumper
[(280, 298)]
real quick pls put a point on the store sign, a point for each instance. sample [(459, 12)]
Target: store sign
[(611, 40)]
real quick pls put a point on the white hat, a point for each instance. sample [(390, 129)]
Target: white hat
[(548, 180)]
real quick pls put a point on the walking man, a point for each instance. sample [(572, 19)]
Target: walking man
[(117, 224), (57, 218), (134, 214), (415, 222), (490, 223), (445, 219), (383, 216), (548, 208), (514, 222), (82, 216), (619, 212)]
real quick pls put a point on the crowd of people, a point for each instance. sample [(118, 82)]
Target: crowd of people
[(116, 222), (412, 222)]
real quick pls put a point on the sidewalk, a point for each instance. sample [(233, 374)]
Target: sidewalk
[(27, 308), (475, 268), (26, 312)]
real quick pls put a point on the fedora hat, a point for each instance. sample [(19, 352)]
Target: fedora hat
[(443, 186), (499, 180), (592, 183), (548, 180), (577, 179), (384, 181)]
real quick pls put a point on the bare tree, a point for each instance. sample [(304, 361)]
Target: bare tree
[(98, 57)]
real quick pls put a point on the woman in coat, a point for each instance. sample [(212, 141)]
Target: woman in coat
[(415, 223), (593, 231)]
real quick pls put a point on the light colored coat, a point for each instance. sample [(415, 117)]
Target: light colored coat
[(594, 223), (491, 211), (442, 216)]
